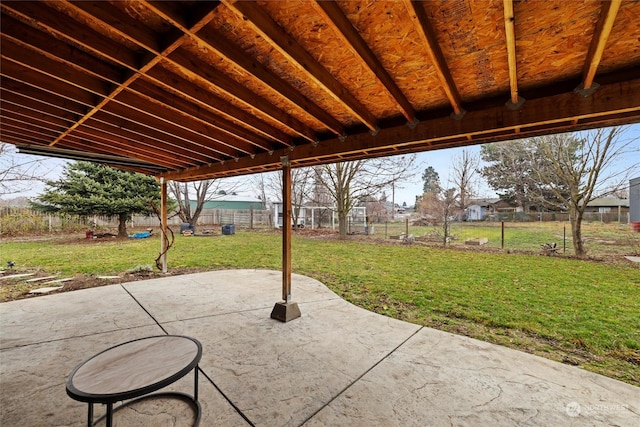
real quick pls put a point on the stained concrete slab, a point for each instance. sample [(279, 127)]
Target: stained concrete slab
[(335, 365), (288, 371), (227, 291), (69, 314), (437, 378)]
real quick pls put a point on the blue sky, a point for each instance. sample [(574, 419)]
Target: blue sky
[(441, 160)]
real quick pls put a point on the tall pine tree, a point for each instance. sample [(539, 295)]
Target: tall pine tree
[(87, 189)]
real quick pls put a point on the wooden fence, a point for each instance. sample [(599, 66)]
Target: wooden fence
[(21, 220)]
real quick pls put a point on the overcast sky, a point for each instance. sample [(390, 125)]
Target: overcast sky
[(440, 160)]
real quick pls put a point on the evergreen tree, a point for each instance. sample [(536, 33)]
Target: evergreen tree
[(431, 180), (92, 189)]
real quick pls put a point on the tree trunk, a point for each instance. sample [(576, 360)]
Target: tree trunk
[(122, 225), (342, 223), (575, 216)]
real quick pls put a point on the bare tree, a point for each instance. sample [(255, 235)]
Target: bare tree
[(464, 175), (301, 188), (579, 168), (18, 172), (509, 171), (347, 182), (439, 206), (199, 192)]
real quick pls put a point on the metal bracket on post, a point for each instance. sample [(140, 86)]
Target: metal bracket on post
[(580, 90), (515, 106)]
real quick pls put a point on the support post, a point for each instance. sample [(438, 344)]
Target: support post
[(163, 223), (286, 310)]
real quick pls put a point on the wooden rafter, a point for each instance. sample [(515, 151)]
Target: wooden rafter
[(145, 40), (214, 41), (226, 84), (154, 60), (264, 25), (510, 33), (421, 23), (345, 29), (188, 90), (598, 42)]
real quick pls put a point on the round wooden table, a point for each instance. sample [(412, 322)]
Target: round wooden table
[(134, 369)]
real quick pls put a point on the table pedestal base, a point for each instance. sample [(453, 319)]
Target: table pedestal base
[(108, 416)]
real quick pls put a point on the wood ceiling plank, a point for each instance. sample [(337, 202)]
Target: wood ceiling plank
[(603, 28), (345, 29), (78, 82), (25, 129), (173, 43), (28, 117), (421, 24), (146, 41), (116, 147), (233, 53), (25, 79), (278, 85), (263, 25), (35, 96), (115, 21)]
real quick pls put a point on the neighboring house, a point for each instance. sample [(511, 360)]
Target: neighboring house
[(634, 200), (608, 205), (480, 208), (232, 202)]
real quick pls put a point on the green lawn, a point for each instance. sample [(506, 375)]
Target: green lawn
[(579, 312)]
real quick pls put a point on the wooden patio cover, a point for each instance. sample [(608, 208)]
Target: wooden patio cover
[(191, 90)]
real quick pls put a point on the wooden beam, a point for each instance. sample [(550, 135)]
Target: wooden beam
[(286, 229), (93, 43), (65, 28), (265, 26), (197, 69), (599, 41), (172, 45), (164, 238), (212, 79), (286, 310), (510, 33), (211, 39), (161, 121), (421, 23), (536, 117), (345, 29), (207, 101), (226, 133)]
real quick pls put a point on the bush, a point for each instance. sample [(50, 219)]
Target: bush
[(15, 223)]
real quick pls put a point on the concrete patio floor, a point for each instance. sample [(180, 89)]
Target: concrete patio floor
[(337, 365)]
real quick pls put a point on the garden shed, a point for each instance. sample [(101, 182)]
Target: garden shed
[(192, 90)]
